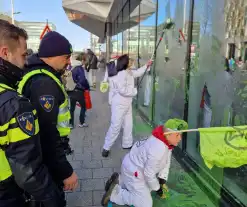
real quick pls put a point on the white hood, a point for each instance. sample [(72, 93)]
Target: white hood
[(75, 63)]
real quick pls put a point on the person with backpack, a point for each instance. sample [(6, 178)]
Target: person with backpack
[(91, 67), (76, 85)]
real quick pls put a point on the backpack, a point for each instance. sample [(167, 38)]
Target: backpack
[(69, 81), (111, 68)]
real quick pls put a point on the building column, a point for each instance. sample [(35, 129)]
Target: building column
[(108, 40)]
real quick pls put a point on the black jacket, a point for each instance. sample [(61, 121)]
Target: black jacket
[(25, 156), (52, 147), (92, 61)]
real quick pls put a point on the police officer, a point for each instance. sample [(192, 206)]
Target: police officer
[(21, 167), (43, 86)]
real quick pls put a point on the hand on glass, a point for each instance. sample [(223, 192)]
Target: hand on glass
[(150, 62)]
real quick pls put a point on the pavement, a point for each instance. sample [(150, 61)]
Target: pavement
[(93, 170)]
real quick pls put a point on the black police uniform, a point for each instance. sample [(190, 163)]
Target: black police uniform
[(51, 143), (21, 167)]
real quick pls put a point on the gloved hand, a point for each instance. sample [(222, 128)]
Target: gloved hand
[(162, 192), (104, 87)]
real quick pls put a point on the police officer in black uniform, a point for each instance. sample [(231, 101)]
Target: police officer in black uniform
[(21, 165), (42, 84)]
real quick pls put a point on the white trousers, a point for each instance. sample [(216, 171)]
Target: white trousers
[(121, 116), (148, 88), (131, 190)]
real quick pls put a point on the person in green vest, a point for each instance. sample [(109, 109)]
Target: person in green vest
[(21, 165), (42, 84)]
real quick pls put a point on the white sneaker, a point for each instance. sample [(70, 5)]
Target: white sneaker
[(83, 125)]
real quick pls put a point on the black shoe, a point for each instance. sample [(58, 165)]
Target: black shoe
[(114, 178), (107, 195), (128, 148), (105, 153)]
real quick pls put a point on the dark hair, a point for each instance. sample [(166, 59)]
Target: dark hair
[(81, 56), (10, 34), (90, 51), (122, 62)]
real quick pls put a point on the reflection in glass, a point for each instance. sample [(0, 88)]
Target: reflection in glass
[(217, 95), (170, 57), (147, 40)]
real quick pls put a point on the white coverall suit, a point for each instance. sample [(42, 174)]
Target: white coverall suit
[(123, 90), (139, 171)]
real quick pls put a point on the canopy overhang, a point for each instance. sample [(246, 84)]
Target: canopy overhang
[(92, 15)]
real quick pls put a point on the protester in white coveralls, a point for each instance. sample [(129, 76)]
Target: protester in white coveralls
[(121, 104), (144, 169)]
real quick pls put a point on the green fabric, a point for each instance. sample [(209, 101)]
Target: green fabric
[(176, 124), (104, 87), (224, 146)]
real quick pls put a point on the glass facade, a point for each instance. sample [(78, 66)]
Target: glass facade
[(199, 73)]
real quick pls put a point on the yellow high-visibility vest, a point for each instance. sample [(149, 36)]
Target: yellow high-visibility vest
[(10, 135), (64, 113)]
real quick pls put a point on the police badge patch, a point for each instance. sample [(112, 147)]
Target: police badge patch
[(47, 102), (27, 123)]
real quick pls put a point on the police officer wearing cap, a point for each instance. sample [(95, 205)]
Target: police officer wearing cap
[(42, 84), (21, 166)]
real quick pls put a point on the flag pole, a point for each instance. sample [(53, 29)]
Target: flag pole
[(181, 131)]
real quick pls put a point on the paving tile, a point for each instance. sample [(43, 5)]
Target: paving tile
[(102, 172), (111, 163), (80, 199), (92, 184), (92, 164), (97, 196), (84, 173), (85, 156), (93, 149), (76, 164)]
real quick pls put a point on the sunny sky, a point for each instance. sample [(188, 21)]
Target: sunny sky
[(40, 10)]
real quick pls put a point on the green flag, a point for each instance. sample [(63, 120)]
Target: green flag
[(224, 146)]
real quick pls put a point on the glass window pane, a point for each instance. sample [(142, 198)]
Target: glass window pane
[(218, 81), (114, 41), (120, 35), (146, 48), (169, 64), (126, 23)]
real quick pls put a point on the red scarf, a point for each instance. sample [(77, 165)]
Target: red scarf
[(158, 132)]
